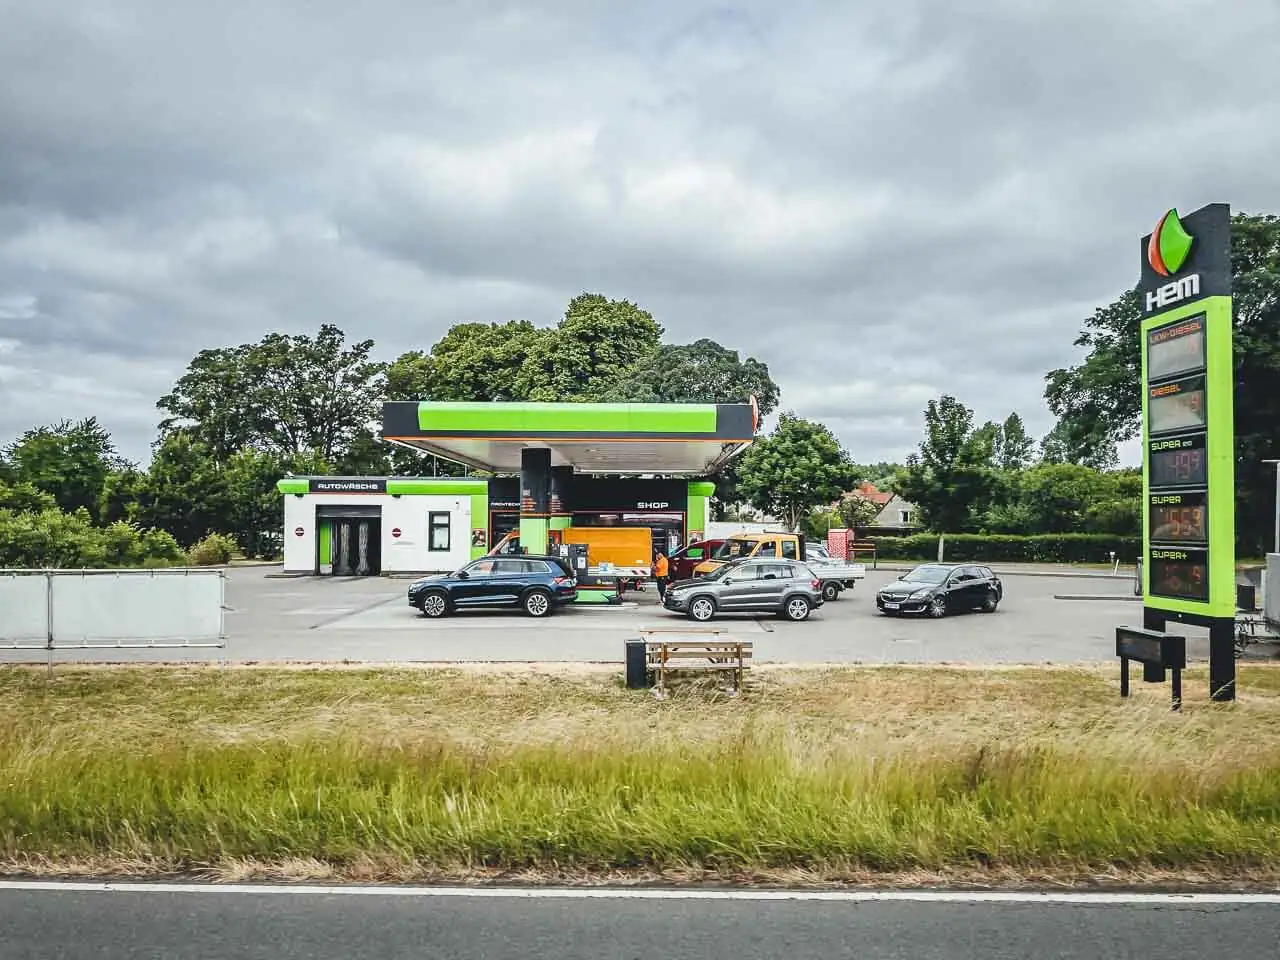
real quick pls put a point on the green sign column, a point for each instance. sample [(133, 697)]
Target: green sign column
[(1188, 432), (700, 491)]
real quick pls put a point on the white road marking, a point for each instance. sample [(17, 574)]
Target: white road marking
[(645, 893)]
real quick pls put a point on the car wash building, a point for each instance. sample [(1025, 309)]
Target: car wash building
[(547, 467)]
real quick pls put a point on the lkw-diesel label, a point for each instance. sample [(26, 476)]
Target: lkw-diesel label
[(1177, 330), (1170, 555)]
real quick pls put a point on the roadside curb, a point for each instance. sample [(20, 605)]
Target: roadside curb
[(1096, 596)]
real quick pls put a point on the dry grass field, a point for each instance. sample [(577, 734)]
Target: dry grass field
[(900, 775)]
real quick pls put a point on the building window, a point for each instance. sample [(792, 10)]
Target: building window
[(438, 532), (904, 516)]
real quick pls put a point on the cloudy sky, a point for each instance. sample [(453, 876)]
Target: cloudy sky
[(884, 202)]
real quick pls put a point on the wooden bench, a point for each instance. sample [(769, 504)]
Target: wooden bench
[(697, 649)]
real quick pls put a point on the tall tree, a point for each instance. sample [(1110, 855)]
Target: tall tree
[(1013, 445), (185, 491), (951, 477), (70, 461), (799, 466), (472, 361), (597, 342), (1098, 401), (287, 394), (254, 511), (700, 372)]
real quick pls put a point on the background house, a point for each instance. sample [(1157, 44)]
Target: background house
[(897, 517)]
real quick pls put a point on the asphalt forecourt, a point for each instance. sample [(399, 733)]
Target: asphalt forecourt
[(869, 775), (369, 620)]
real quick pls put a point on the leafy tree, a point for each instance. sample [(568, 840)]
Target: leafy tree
[(24, 498), (185, 491), (883, 475), (1078, 441), (288, 394), (698, 372), (471, 362), (856, 511), (598, 342), (370, 456), (1098, 401), (70, 461), (254, 513), (122, 493), (1013, 447), (1057, 495), (796, 468), (952, 474)]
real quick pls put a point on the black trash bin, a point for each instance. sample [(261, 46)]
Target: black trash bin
[(1246, 597), (637, 672)]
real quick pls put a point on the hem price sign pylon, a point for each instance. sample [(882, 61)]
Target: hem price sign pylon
[(1188, 432)]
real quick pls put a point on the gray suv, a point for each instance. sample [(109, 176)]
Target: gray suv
[(785, 587)]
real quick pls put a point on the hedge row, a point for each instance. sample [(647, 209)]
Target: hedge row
[(53, 539), (1006, 548)]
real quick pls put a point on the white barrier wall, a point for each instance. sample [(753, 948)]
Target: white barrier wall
[(78, 607)]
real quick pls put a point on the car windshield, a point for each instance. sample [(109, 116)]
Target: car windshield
[(720, 572), (928, 574), (721, 550), (740, 548)]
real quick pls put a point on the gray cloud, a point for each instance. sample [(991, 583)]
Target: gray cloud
[(882, 205)]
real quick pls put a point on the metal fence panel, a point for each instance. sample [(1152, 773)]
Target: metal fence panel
[(137, 605), (24, 607)]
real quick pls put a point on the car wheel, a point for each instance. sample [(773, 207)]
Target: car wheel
[(537, 603), (990, 602), (830, 591), (797, 609), (938, 607), (435, 604), (702, 609)]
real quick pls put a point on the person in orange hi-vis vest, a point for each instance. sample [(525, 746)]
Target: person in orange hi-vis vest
[(661, 571)]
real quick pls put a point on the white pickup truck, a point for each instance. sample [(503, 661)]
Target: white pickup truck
[(836, 575)]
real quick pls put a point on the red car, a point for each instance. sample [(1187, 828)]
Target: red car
[(684, 560)]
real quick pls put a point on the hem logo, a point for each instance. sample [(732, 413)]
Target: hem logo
[(1167, 253), (1170, 243), (1171, 293)]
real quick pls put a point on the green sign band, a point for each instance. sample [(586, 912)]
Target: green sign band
[(516, 419)]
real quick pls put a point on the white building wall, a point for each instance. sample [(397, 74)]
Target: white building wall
[(299, 550), (410, 514), (410, 553)]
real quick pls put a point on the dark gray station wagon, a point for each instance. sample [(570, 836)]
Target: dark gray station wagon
[(785, 587)]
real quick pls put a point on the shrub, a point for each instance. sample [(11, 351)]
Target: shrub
[(51, 539), (1008, 548), (214, 550)]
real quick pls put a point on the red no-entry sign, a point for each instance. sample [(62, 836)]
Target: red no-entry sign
[(395, 532), (298, 531)]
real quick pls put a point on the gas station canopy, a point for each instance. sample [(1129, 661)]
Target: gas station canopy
[(689, 439)]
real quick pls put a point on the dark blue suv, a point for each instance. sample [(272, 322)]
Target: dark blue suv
[(536, 585)]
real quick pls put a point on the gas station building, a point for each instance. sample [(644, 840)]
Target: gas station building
[(544, 468)]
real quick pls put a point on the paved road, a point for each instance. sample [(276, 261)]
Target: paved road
[(81, 925), (370, 620)]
